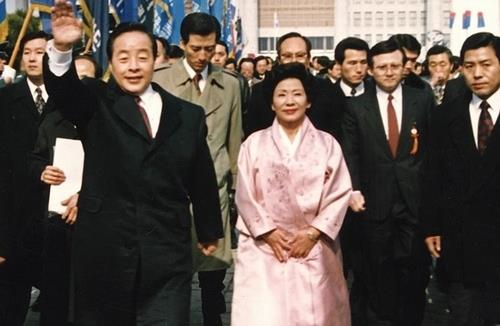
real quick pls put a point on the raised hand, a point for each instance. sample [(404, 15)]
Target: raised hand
[(66, 28)]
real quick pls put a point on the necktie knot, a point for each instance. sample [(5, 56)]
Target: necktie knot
[(353, 91), (390, 97), (196, 81), (484, 105)]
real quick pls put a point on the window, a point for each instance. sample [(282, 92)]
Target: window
[(329, 42), (368, 2), (390, 19), (423, 39), (356, 19), (413, 18), (379, 19), (423, 18), (402, 1), (368, 19), (401, 18), (263, 44)]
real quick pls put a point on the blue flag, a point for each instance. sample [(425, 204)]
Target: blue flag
[(98, 19), (168, 15), (201, 6), (227, 24), (217, 9), (480, 20), (43, 7), (145, 13), (466, 19), (123, 10), (4, 27)]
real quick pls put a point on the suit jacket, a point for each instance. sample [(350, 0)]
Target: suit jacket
[(461, 195), (19, 198), (134, 225), (373, 169), (325, 112), (222, 104)]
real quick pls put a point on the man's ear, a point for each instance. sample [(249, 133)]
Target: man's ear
[(182, 45), (370, 72)]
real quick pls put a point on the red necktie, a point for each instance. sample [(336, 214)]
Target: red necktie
[(144, 116), (392, 122), (485, 126)]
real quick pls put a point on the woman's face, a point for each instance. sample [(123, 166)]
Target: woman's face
[(290, 102)]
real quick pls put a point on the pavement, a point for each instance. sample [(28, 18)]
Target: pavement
[(436, 312)]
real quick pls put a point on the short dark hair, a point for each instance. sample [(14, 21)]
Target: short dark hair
[(480, 40), (438, 49), (331, 64), (222, 43), (284, 71), (199, 23), (349, 43), (127, 28), (323, 61), (259, 58), (33, 36), (285, 37), (165, 44), (230, 61), (88, 57), (176, 52), (383, 47), (243, 60), (407, 41)]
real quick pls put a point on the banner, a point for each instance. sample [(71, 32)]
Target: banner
[(201, 6), (4, 26), (466, 19), (168, 15), (452, 19), (145, 13), (96, 15), (480, 20)]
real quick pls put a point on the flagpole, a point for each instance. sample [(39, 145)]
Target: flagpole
[(23, 31)]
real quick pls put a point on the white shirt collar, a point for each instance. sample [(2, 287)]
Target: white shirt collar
[(33, 92), (493, 101), (397, 94), (360, 89), (147, 94), (192, 73)]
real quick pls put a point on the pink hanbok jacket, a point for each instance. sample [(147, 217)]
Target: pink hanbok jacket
[(279, 187)]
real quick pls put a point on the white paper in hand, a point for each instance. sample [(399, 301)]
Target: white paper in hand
[(68, 156)]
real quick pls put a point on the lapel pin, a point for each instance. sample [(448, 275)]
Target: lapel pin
[(414, 136)]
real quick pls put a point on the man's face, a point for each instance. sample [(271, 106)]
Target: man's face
[(354, 67), (294, 49), (261, 67), (411, 60), (387, 70), (246, 69), (439, 68), (199, 50), (84, 68), (220, 56), (33, 56), (335, 72), (132, 63), (481, 69)]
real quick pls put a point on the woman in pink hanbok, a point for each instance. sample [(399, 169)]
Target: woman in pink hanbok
[(292, 194)]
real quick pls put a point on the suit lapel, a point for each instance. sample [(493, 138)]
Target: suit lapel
[(125, 107), (407, 121), (210, 98), (25, 97)]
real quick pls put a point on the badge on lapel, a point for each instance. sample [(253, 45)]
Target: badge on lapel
[(414, 137)]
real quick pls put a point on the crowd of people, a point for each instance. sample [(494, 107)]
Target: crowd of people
[(308, 171)]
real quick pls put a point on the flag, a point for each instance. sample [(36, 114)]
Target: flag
[(168, 15), (96, 15), (43, 7), (452, 19), (123, 10), (466, 19), (201, 6), (227, 24), (145, 13), (4, 26), (480, 19), (238, 30), (217, 9)]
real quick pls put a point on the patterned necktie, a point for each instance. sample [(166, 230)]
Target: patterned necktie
[(353, 91), (392, 122), (39, 102), (438, 94), (484, 127), (196, 82), (144, 116)]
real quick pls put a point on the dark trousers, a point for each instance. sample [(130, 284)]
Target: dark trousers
[(213, 303), (56, 273), (395, 269)]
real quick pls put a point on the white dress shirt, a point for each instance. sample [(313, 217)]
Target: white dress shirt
[(60, 62), (397, 102), (475, 111), (360, 89), (192, 73)]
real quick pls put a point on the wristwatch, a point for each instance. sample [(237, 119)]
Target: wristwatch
[(311, 236)]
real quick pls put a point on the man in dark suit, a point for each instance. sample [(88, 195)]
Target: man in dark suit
[(461, 210), (146, 161), (384, 142), (352, 55), (24, 105), (325, 111)]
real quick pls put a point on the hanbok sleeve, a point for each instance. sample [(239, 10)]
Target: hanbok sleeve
[(254, 217), (335, 195)]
